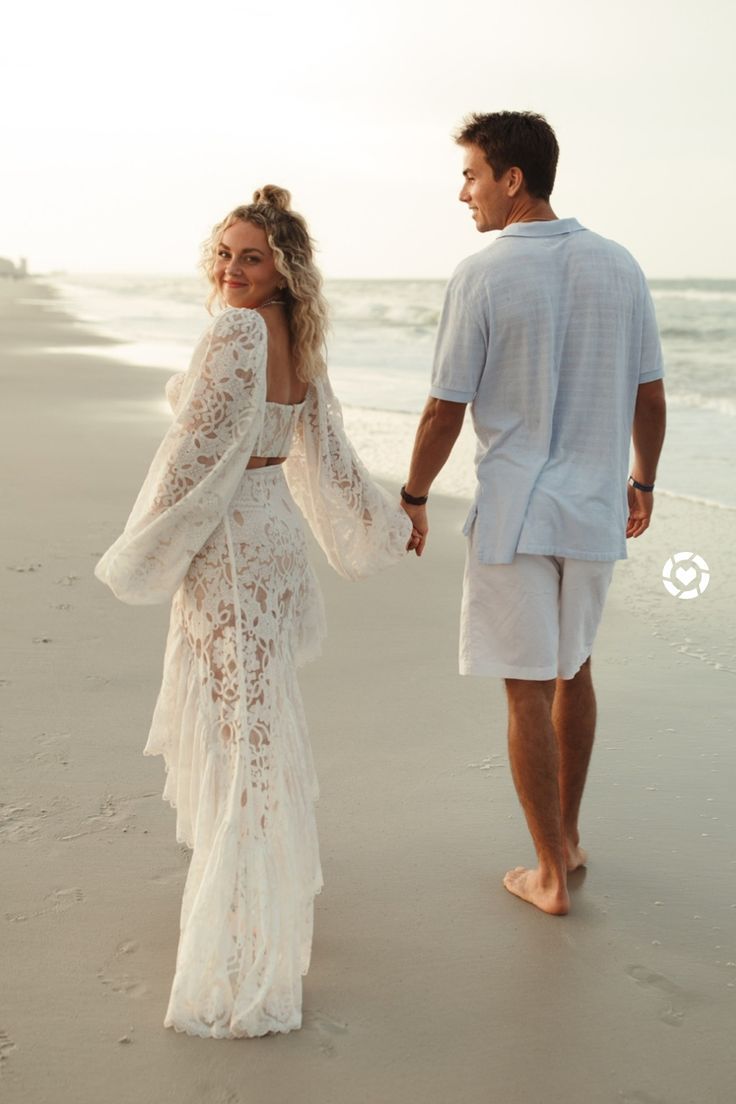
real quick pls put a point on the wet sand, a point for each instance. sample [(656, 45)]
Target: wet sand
[(429, 983)]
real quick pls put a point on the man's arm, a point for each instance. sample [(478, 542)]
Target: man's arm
[(438, 431), (647, 434)]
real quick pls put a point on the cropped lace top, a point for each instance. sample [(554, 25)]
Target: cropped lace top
[(221, 419), (277, 431)]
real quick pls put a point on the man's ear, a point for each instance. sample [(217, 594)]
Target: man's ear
[(515, 181)]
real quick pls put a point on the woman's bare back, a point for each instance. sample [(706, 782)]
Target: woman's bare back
[(282, 383)]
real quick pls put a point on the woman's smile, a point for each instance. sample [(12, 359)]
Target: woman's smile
[(246, 247)]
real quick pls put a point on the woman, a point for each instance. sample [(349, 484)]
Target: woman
[(256, 427)]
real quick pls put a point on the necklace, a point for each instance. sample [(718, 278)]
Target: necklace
[(271, 303)]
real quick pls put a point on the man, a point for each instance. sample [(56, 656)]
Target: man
[(549, 333)]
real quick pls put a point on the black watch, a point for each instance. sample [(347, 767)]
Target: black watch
[(640, 486), (413, 500)]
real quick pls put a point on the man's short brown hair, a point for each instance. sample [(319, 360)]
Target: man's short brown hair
[(515, 138)]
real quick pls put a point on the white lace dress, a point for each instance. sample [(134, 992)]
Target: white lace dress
[(228, 545)]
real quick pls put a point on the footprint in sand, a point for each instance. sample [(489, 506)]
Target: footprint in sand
[(65, 606), (19, 823), (25, 569), (108, 816), (67, 580), (115, 975), (61, 900), (7, 1046), (96, 682), (114, 812), (23, 822), (636, 1096), (488, 765), (53, 748), (327, 1029), (677, 1000), (13, 823)]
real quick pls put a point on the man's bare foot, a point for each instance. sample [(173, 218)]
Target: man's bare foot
[(575, 855), (548, 896)]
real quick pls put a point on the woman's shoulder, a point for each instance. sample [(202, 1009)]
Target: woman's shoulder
[(237, 321), (234, 343)]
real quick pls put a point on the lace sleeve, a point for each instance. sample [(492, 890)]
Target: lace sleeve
[(358, 524), (198, 465), (174, 388)]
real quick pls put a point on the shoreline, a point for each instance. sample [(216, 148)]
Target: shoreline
[(429, 982), (376, 348), (384, 440)]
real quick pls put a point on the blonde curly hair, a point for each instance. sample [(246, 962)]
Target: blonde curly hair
[(292, 247)]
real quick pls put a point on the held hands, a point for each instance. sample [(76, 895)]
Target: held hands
[(418, 516), (641, 504)]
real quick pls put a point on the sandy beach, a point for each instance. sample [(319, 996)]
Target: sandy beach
[(429, 983)]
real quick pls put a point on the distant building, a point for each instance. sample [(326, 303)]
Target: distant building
[(11, 271)]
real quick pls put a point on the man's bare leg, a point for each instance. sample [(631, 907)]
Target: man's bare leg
[(535, 762), (573, 718)]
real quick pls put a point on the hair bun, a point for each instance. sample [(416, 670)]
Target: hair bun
[(273, 196)]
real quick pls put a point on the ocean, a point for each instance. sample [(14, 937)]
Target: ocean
[(380, 355)]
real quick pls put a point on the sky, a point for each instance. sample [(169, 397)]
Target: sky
[(128, 130)]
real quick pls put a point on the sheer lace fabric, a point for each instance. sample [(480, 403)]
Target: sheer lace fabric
[(357, 523), (229, 545), (277, 432), (240, 770), (219, 406)]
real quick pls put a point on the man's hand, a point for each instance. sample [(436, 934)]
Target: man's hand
[(418, 538), (641, 504), (439, 426)]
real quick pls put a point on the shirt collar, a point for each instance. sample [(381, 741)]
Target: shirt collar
[(548, 229)]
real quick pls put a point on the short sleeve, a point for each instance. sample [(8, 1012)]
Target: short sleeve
[(461, 348), (219, 407), (651, 365)]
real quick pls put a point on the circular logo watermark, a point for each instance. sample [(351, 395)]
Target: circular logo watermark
[(685, 575)]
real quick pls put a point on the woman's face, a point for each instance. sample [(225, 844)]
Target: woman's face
[(245, 273)]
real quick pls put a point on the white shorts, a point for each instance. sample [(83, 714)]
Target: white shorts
[(535, 618)]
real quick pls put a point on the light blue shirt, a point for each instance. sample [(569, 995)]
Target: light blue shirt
[(548, 333)]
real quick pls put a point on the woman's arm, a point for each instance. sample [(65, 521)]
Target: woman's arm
[(197, 466), (356, 522)]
